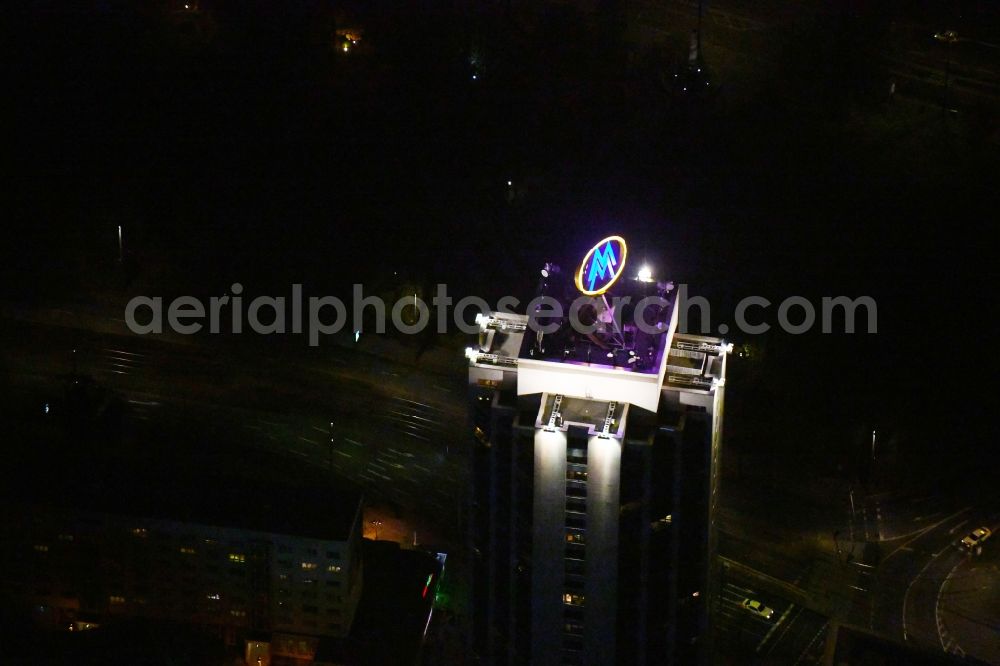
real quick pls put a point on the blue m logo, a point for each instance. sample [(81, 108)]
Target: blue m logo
[(602, 265)]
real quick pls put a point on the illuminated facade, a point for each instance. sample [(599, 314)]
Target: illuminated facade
[(277, 579), (594, 479)]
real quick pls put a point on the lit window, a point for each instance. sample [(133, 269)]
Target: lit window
[(334, 568), (114, 599), (139, 531), (575, 537), (238, 613), (573, 599), (308, 566), (41, 548), (187, 551), (213, 597), (239, 558), (65, 537)]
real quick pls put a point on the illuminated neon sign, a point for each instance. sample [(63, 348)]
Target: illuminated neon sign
[(602, 266)]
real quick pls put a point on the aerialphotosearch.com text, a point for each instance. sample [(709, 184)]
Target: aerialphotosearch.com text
[(318, 316)]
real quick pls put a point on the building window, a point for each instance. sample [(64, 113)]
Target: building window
[(187, 551), (332, 555), (65, 537), (573, 474), (575, 504), (308, 566), (140, 531), (333, 583), (333, 568), (574, 628), (116, 600), (238, 558), (576, 491), (573, 599), (576, 522), (41, 548), (575, 536)]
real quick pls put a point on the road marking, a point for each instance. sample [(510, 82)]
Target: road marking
[(775, 627), (941, 629), (419, 404), (809, 647), (906, 596), (415, 416), (926, 530), (956, 527), (737, 587)]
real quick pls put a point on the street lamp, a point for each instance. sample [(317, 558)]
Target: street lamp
[(331, 448)]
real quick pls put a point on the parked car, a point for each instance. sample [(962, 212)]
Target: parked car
[(758, 609)]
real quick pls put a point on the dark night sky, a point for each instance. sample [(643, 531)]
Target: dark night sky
[(259, 156)]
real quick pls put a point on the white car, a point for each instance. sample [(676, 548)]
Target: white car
[(758, 609), (973, 541)]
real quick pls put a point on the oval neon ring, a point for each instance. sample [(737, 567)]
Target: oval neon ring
[(602, 266)]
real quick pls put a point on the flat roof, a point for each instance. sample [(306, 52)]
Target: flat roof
[(618, 342)]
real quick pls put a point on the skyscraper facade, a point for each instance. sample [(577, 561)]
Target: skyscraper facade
[(594, 474)]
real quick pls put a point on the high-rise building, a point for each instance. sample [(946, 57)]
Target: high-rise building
[(594, 474)]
